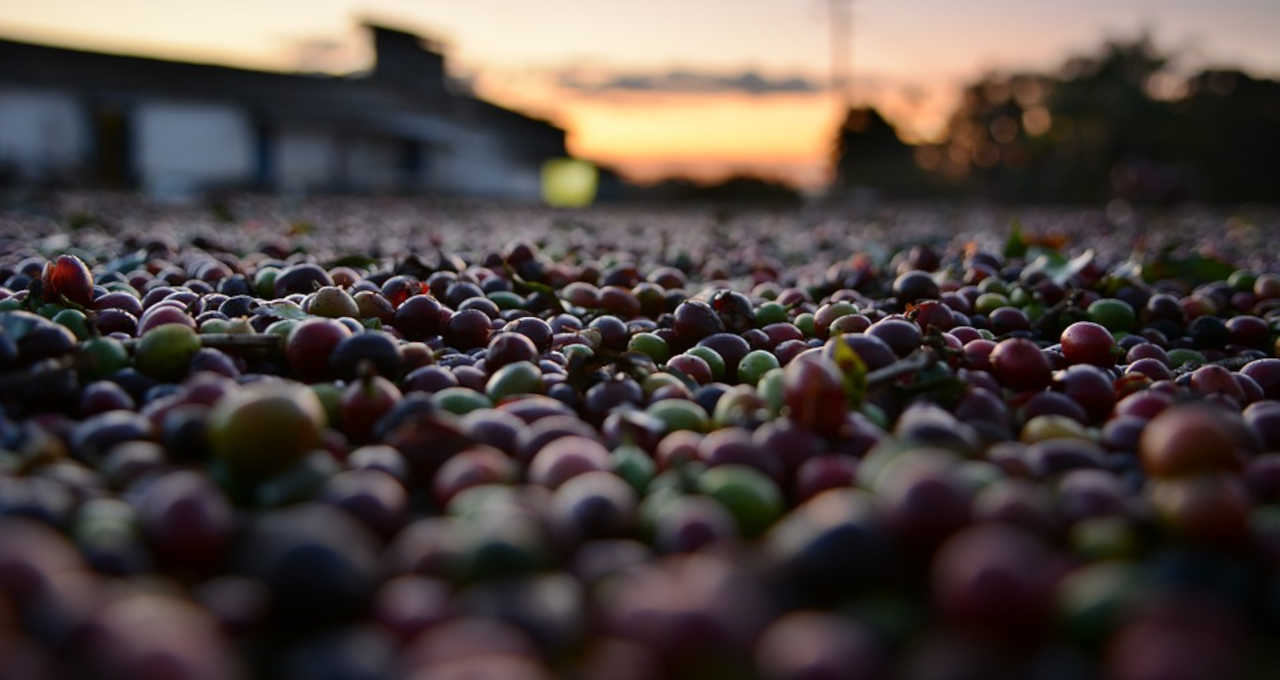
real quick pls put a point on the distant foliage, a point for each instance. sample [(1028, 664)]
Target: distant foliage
[(736, 190), (1115, 124), (870, 153)]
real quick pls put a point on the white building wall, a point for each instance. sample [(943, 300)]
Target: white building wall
[(372, 163), (476, 164), (43, 132), (305, 160), (183, 147)]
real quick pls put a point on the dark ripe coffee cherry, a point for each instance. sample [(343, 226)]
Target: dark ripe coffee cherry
[(102, 396), (1006, 320), (239, 305), (489, 307), (537, 330), (813, 391), (377, 347), (236, 284), (1249, 331), (119, 300), (581, 294), (399, 288), (872, 350), (732, 348), (824, 472), (692, 366), (116, 321), (301, 278), (309, 346), (735, 446), (1146, 350), (1189, 440), (468, 329), (695, 320), (1020, 365), (977, 354), (429, 379), (1265, 372), (155, 294), (210, 360), (508, 348), (1205, 507), (373, 497), (619, 301), (902, 336), (1211, 379), (364, 402), (931, 315), (186, 520), (419, 317), (613, 332), (163, 314), (319, 563), (756, 338), (461, 291), (734, 310), (565, 458), (1089, 387), (1163, 307), (472, 467), (1150, 367), (1085, 342), (1208, 332), (915, 285), (995, 578)]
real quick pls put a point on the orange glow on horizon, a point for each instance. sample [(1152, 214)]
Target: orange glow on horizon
[(908, 59)]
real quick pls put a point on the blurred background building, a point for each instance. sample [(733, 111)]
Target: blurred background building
[(1128, 100), (173, 128)]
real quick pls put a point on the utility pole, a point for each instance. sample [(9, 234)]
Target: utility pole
[(841, 12)]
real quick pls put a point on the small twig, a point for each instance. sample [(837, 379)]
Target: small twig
[(915, 362)]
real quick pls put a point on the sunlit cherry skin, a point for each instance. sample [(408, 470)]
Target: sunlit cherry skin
[(1214, 379), (67, 276), (309, 345), (1189, 440), (1020, 365), (1085, 342), (814, 393), (1150, 367)]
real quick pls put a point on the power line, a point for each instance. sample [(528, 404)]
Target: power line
[(841, 19)]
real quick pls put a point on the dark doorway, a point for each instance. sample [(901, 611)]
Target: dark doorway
[(410, 163), (264, 161), (111, 132)]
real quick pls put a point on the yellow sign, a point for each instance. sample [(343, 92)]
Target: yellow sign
[(569, 182)]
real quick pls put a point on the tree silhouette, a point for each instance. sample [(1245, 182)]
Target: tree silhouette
[(868, 152), (1098, 128)]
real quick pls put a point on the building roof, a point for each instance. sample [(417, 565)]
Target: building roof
[(360, 102)]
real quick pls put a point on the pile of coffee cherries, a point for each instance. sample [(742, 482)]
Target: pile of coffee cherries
[(233, 458)]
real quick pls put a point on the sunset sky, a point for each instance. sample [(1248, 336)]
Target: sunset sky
[(692, 87)]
